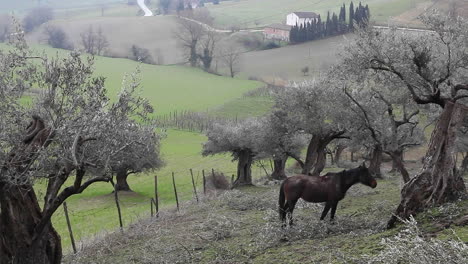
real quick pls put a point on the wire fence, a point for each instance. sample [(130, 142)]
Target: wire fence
[(184, 192)]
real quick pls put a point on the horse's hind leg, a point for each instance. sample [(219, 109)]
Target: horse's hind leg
[(325, 210), (333, 210), (283, 211), (291, 205)]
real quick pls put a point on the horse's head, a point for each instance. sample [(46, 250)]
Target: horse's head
[(365, 176)]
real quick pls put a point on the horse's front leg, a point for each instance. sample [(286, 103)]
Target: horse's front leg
[(325, 210)]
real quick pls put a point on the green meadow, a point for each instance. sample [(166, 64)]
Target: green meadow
[(168, 88)]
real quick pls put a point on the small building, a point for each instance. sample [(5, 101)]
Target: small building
[(277, 32), (300, 18)]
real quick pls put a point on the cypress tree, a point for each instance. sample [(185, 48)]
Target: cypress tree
[(351, 16), (302, 33), (328, 25), (319, 28), (334, 24), (367, 13)]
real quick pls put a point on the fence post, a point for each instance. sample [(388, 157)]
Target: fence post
[(116, 197), (69, 227), (232, 180), (151, 202), (175, 191), (156, 198), (193, 183), (204, 182)]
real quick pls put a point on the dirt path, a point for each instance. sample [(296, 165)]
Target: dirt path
[(145, 9)]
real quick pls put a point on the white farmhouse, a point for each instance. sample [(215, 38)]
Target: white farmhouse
[(300, 18)]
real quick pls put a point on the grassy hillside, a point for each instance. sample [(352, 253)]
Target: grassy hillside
[(287, 62), (251, 13), (242, 226), (94, 211), (169, 88)]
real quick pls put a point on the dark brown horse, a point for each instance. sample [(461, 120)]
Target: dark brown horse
[(330, 188)]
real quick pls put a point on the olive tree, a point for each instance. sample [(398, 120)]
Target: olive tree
[(66, 137), (388, 120), (239, 140), (275, 141), (316, 109), (432, 67), (136, 158)]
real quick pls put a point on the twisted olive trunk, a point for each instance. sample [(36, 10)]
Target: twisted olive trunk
[(279, 166), (438, 181), (376, 161), (244, 168), (122, 184), (19, 241), (338, 152)]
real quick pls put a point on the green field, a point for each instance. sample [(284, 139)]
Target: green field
[(253, 13), (169, 88)]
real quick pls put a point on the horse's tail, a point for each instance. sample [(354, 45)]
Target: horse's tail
[(281, 203)]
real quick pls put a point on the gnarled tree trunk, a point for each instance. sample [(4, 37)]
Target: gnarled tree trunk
[(316, 156), (338, 152), (244, 168), (279, 165), (20, 215), (376, 161), (438, 181), (122, 184)]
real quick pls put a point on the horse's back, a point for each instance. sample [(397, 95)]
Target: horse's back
[(309, 188)]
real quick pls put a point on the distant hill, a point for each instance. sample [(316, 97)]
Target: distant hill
[(8, 6), (153, 33)]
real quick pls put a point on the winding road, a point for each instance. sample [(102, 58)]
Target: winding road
[(145, 9)]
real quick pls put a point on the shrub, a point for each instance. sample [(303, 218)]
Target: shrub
[(37, 17), (141, 54), (218, 181), (57, 38), (270, 45)]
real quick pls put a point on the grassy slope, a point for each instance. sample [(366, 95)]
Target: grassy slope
[(287, 62), (249, 13), (242, 227), (170, 88)]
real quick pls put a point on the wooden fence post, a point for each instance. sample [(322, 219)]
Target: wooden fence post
[(152, 211), (194, 187), (116, 197), (175, 191), (69, 227), (156, 198), (232, 180), (204, 182)]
